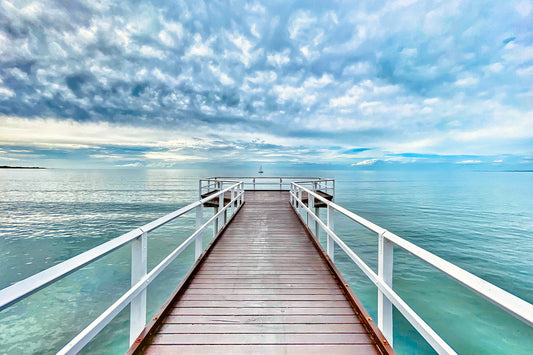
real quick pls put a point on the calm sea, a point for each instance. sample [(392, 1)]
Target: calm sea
[(481, 221)]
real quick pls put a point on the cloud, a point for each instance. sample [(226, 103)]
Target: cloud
[(399, 76), (171, 156), (469, 161), (366, 162)]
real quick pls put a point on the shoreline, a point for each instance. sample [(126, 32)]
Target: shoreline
[(20, 167)]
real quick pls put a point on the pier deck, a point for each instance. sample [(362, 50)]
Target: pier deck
[(264, 286)]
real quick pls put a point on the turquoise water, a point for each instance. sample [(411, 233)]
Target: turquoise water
[(480, 221)]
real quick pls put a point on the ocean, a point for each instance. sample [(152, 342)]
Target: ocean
[(480, 221)]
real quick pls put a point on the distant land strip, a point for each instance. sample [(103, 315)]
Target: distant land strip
[(20, 167)]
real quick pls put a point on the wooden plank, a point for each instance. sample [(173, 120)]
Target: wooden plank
[(262, 273), (250, 304), (245, 319), (261, 311), (289, 349), (262, 297), (262, 328), (265, 267), (268, 338), (266, 278), (263, 291)]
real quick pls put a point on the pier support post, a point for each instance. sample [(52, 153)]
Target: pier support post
[(199, 239), (330, 247), (385, 271), (138, 271)]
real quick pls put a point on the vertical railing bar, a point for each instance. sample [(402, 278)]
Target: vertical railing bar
[(310, 205), (138, 271), (291, 192), (317, 229), (200, 190), (385, 273), (232, 207), (222, 216), (330, 247), (198, 243), (300, 202)]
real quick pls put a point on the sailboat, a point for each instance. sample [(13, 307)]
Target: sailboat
[(260, 169)]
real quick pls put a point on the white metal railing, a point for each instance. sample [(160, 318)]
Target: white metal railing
[(387, 297), (268, 183), (140, 278)]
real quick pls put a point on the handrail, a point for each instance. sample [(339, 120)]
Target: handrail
[(326, 185), (140, 279), (18, 291), (383, 280), (92, 329)]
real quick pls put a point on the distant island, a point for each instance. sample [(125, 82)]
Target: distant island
[(20, 167)]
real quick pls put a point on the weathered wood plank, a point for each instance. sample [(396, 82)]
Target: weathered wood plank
[(243, 291), (261, 328), (264, 303), (268, 338), (289, 349), (283, 319), (260, 311), (262, 297), (251, 304)]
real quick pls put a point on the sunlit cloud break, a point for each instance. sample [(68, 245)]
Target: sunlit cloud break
[(175, 83)]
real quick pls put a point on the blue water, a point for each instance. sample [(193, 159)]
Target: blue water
[(481, 221)]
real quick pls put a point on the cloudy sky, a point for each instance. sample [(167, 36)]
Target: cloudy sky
[(185, 83)]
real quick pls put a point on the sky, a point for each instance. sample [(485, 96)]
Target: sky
[(350, 84)]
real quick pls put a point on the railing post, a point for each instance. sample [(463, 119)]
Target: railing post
[(385, 265), (310, 205), (280, 184), (232, 202), (330, 242), (300, 201), (242, 194), (138, 271), (317, 213), (220, 207), (198, 248), (215, 222), (291, 200), (200, 189)]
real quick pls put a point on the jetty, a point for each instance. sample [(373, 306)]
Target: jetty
[(264, 284)]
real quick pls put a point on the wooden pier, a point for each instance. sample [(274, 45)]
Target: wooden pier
[(264, 286)]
